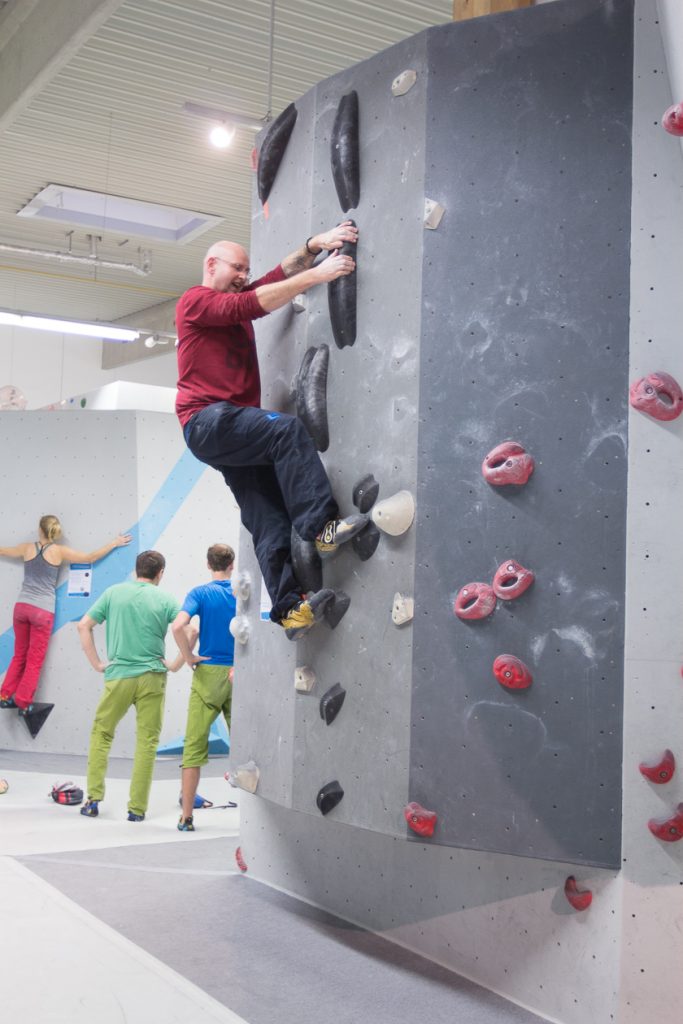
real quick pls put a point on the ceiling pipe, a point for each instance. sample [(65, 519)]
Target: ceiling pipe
[(89, 261)]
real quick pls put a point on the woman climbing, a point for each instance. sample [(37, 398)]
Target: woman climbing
[(34, 611)]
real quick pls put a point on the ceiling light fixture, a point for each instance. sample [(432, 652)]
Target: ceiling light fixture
[(107, 332), (157, 339), (227, 120), (221, 135)]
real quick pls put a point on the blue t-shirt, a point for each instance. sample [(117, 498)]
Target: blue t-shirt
[(215, 604)]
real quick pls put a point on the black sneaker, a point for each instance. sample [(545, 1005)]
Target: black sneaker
[(304, 615), (338, 531)]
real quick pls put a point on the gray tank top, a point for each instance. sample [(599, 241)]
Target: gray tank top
[(40, 582)]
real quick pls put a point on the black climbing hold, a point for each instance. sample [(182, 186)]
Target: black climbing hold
[(311, 395), (273, 149), (331, 703), (306, 562), (365, 493), (329, 796), (337, 609), (344, 152), (341, 299), (365, 543), (35, 718)]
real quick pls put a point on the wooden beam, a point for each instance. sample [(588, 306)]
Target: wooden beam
[(464, 9)]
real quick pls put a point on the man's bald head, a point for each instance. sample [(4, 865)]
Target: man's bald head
[(226, 267)]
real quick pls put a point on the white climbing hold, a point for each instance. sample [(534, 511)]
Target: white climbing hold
[(239, 628), (299, 303), (402, 610), (304, 679), (4, 785), (241, 586), (394, 515), (433, 213), (245, 777), (404, 82)]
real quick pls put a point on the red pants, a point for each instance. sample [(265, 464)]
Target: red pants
[(32, 630)]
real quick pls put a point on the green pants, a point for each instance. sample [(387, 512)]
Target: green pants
[(146, 693), (211, 693)]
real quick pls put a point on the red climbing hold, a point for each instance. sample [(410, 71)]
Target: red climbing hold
[(580, 899), (659, 771), (669, 830), (511, 672), (419, 819), (474, 601), (658, 394), (241, 862), (511, 580), (507, 463), (672, 122)]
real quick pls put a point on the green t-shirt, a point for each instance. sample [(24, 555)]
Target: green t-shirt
[(137, 616)]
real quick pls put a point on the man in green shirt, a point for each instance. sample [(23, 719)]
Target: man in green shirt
[(138, 615)]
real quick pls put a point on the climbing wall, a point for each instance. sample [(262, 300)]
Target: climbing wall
[(498, 918), (525, 336), (102, 473), (508, 320)]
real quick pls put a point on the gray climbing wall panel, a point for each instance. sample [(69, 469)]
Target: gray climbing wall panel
[(525, 336), (510, 320)]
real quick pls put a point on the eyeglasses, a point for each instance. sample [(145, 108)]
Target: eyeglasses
[(237, 267)]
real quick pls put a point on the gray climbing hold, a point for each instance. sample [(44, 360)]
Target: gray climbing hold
[(273, 149), (308, 567), (331, 703), (365, 493), (365, 543)]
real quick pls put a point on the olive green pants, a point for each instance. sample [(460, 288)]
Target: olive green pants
[(211, 693), (146, 693)]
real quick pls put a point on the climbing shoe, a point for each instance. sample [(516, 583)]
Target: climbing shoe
[(132, 816), (186, 825), (338, 531), (26, 711), (90, 808), (7, 702), (304, 615)]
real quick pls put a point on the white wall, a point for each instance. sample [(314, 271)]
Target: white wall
[(101, 473), (48, 367)]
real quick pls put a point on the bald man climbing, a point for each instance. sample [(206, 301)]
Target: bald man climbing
[(267, 459)]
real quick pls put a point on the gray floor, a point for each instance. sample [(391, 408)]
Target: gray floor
[(119, 767), (268, 957)]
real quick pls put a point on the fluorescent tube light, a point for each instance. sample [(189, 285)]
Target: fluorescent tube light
[(107, 332)]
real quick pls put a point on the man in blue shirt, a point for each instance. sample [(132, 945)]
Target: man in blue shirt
[(211, 692)]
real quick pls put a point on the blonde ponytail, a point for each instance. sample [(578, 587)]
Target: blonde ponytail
[(51, 528)]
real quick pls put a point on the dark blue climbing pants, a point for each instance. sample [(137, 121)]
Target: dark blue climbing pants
[(270, 464)]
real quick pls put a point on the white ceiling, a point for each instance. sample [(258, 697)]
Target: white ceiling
[(91, 95)]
